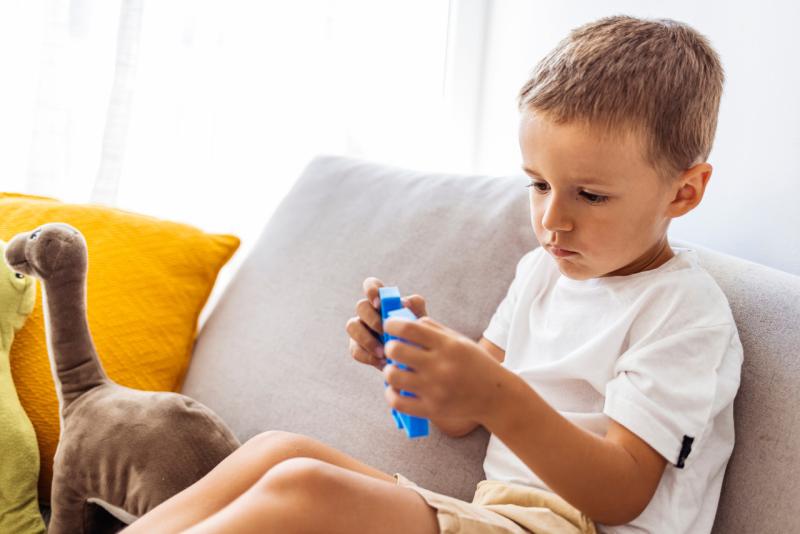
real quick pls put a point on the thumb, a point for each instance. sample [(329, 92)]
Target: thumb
[(416, 304)]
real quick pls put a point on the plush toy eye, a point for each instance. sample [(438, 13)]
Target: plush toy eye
[(19, 275), (35, 234)]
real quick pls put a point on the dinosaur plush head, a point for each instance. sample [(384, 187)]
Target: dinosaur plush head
[(17, 295), (54, 251)]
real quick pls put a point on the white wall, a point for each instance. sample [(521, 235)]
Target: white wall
[(751, 204)]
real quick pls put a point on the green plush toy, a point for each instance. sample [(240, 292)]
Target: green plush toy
[(19, 461)]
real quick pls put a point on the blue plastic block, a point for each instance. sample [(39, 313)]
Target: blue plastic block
[(414, 426), (392, 306), (390, 301)]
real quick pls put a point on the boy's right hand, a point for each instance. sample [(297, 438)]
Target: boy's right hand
[(365, 329)]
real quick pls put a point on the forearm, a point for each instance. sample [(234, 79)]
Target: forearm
[(598, 477), (455, 427)]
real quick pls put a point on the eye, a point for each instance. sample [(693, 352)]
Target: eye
[(594, 199), (34, 235), (19, 275), (590, 197), (535, 184)]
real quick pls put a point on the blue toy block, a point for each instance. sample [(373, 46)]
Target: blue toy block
[(390, 301), (392, 306)]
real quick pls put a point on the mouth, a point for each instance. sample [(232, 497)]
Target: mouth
[(561, 252)]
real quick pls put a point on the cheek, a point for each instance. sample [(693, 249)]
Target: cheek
[(622, 232), (536, 217), (536, 205)]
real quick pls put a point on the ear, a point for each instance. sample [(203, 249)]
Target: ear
[(689, 189)]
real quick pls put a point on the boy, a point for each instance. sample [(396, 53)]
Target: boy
[(607, 374)]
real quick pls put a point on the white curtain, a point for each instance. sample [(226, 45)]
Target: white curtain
[(206, 111), (144, 104)]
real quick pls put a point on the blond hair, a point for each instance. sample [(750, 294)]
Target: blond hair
[(660, 78)]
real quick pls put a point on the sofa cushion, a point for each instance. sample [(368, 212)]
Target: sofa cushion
[(274, 355)]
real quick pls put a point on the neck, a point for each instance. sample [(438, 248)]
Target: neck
[(72, 352)]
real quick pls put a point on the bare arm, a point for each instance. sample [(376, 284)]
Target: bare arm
[(458, 427), (610, 478)]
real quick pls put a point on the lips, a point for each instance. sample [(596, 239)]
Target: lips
[(560, 252)]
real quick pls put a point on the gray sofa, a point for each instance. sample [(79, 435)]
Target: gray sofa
[(273, 353)]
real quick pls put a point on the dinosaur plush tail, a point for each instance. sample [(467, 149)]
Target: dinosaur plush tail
[(73, 358)]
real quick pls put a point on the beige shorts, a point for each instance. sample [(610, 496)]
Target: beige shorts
[(504, 508)]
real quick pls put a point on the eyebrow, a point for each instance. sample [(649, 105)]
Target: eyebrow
[(582, 181)]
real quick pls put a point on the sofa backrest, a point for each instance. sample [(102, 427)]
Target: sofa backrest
[(761, 489), (273, 354)]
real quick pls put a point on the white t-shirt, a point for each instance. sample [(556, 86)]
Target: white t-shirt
[(657, 351)]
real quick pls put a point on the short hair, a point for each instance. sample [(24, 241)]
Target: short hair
[(660, 78)]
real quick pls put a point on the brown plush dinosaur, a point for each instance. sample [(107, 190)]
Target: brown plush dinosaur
[(121, 449)]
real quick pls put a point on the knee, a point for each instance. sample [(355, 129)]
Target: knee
[(291, 488), (298, 476), (271, 438)]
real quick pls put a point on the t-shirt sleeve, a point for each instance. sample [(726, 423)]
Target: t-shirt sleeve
[(663, 389), (500, 323)]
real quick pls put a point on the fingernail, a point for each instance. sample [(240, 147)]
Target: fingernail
[(376, 302), (379, 351)]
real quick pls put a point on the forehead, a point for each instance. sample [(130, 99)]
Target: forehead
[(576, 152)]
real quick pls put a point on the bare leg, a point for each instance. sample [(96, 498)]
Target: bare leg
[(236, 474), (304, 495)]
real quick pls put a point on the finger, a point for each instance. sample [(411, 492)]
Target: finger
[(370, 287), (404, 404), (362, 356), (441, 327), (432, 322), (414, 357), (403, 379), (416, 304), (369, 316), (421, 331), (364, 337)]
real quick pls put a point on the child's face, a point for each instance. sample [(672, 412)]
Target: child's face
[(596, 196)]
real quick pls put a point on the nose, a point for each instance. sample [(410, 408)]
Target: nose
[(555, 217)]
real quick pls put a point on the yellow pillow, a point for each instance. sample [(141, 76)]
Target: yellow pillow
[(147, 283)]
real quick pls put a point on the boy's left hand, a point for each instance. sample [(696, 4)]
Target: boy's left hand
[(452, 376)]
